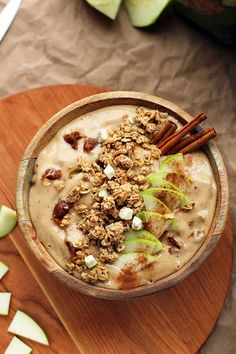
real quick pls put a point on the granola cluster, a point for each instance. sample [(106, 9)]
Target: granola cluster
[(128, 154)]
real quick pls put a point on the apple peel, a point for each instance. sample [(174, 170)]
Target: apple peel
[(8, 220)]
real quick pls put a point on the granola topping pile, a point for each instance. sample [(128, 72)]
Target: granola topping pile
[(114, 182)]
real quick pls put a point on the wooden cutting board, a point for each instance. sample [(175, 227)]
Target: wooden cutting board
[(178, 320)]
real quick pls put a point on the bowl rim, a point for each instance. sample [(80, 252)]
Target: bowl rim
[(50, 128)]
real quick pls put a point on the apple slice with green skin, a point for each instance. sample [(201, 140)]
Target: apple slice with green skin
[(8, 220), (140, 234), (108, 8), (5, 299), (172, 163), (16, 346), (143, 246), (154, 222), (161, 182), (23, 325), (170, 197), (178, 181), (3, 269), (153, 204), (133, 262), (146, 12)]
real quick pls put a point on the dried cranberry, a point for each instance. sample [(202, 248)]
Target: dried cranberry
[(89, 144), (60, 210), (52, 174), (72, 139)]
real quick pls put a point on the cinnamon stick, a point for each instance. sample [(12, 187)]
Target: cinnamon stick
[(170, 131), (175, 138), (199, 142), (188, 140), (160, 133)]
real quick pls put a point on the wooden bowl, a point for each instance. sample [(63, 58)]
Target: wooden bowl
[(46, 133)]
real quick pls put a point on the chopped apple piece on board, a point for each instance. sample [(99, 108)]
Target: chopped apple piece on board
[(109, 8), (7, 220), (16, 346), (3, 269), (5, 299), (23, 325)]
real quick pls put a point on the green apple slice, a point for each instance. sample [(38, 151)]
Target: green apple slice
[(154, 222), (171, 198), (144, 235), (23, 325), (109, 8), (153, 204), (16, 346), (7, 220), (172, 163), (175, 180), (161, 182), (5, 299), (133, 262), (144, 13), (143, 246), (140, 234), (3, 269)]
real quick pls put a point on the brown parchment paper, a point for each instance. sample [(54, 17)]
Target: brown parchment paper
[(65, 41)]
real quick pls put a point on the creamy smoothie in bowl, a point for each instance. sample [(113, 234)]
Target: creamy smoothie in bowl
[(110, 208)]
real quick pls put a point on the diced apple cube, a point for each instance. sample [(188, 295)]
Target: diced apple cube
[(137, 223), (90, 261), (103, 193), (109, 171), (126, 213)]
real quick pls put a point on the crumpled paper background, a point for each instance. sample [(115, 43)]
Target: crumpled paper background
[(58, 41)]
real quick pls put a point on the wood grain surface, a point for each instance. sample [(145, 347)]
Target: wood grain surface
[(175, 321)]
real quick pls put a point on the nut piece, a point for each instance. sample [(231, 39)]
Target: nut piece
[(60, 210), (137, 223), (51, 174), (102, 135), (89, 144), (126, 213), (59, 186), (90, 261), (109, 172), (72, 139)]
